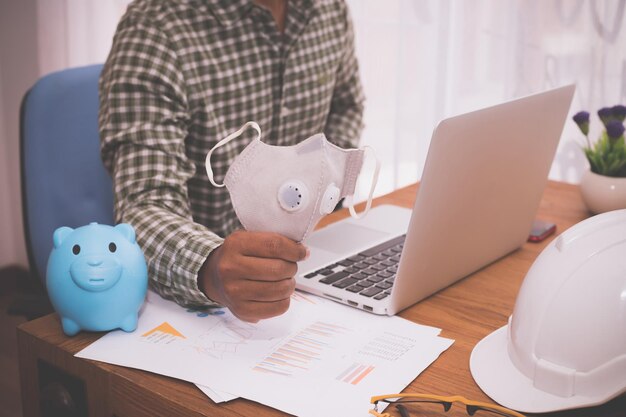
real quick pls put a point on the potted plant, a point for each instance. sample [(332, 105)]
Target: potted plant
[(603, 186)]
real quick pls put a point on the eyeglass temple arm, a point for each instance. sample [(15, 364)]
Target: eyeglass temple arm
[(455, 398)]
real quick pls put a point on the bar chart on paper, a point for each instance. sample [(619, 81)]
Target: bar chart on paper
[(300, 352), (317, 351), (355, 373)]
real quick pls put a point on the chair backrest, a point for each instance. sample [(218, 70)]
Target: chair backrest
[(63, 180)]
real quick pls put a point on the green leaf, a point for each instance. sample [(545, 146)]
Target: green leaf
[(607, 157)]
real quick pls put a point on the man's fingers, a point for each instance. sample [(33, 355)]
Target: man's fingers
[(272, 245), (263, 291), (265, 269), (254, 311), (252, 273)]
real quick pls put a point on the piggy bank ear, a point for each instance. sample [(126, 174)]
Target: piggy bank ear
[(60, 234), (126, 230)]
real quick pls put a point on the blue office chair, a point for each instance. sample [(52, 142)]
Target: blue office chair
[(63, 180)]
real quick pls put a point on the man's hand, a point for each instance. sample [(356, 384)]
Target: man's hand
[(252, 274)]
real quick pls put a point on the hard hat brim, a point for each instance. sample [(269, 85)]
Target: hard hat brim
[(498, 377)]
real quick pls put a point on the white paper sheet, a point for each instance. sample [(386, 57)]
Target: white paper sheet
[(318, 353), (216, 396)]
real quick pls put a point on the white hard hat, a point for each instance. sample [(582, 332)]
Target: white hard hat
[(565, 344)]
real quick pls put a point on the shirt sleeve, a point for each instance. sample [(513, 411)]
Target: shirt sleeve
[(345, 119), (143, 125)]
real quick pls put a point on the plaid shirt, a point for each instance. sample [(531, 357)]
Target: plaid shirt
[(183, 74)]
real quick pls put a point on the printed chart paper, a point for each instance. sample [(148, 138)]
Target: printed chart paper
[(318, 353)]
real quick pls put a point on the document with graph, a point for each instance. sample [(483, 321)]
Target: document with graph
[(319, 352)]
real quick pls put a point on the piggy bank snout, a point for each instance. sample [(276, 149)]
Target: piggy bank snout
[(95, 273)]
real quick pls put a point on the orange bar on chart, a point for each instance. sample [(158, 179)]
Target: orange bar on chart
[(362, 375), (166, 328)]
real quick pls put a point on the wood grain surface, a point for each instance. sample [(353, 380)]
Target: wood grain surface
[(466, 311)]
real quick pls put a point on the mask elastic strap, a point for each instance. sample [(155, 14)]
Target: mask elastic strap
[(368, 205), (223, 142)]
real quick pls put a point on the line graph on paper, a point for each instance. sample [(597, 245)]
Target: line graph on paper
[(226, 337), (300, 352)]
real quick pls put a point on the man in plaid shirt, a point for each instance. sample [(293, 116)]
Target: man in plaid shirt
[(183, 74)]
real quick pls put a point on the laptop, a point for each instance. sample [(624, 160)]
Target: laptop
[(481, 186)]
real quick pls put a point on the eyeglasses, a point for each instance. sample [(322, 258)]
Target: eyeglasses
[(425, 405)]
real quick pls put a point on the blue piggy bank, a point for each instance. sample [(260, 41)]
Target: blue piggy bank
[(96, 277)]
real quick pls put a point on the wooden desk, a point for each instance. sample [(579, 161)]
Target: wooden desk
[(466, 311)]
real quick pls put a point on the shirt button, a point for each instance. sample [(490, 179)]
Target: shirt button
[(284, 111)]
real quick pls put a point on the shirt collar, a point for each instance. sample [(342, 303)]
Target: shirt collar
[(230, 11)]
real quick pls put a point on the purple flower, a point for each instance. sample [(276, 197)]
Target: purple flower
[(614, 129), (582, 120), (619, 112), (606, 114), (581, 117)]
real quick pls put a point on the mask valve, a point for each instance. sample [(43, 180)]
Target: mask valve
[(330, 199), (293, 196)]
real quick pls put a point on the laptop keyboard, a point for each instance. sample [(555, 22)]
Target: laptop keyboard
[(370, 273)]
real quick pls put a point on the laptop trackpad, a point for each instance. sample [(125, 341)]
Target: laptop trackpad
[(348, 237), (338, 241), (345, 238)]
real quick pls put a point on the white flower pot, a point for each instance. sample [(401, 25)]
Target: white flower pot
[(601, 193)]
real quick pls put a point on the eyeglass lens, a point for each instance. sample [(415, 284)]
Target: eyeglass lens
[(411, 407)]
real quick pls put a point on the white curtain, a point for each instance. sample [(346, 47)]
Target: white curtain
[(424, 60), (421, 60), (76, 32)]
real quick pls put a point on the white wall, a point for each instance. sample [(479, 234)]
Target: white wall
[(8, 251), (18, 71), (38, 37)]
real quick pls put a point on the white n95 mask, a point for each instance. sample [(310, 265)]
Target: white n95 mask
[(288, 189)]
